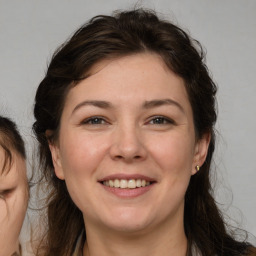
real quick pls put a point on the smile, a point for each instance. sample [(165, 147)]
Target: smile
[(124, 183)]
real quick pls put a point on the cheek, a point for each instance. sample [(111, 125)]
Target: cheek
[(17, 207), (11, 218), (174, 157), (81, 156), (80, 159), (173, 153), (3, 212)]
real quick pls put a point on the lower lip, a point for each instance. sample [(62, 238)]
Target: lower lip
[(127, 192)]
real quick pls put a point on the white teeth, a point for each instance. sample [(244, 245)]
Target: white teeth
[(138, 183), (132, 183), (116, 183), (111, 183), (123, 184)]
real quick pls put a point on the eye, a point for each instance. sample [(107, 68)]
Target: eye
[(95, 120), (5, 193), (160, 120)]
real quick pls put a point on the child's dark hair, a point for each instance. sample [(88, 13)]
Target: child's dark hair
[(10, 139)]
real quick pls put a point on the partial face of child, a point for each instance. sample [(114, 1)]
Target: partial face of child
[(13, 202)]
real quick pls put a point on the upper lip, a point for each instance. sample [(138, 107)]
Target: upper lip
[(122, 176)]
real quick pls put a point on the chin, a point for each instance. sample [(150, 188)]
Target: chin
[(128, 221), (128, 228)]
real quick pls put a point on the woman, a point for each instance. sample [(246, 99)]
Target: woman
[(125, 121), (13, 187)]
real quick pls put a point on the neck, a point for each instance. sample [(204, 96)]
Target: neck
[(165, 240)]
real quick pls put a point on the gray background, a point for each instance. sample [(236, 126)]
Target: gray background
[(31, 30)]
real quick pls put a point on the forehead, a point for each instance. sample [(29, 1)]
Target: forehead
[(135, 59), (5, 160), (146, 73), (16, 171)]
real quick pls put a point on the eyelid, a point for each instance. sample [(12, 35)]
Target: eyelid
[(91, 118), (6, 192), (167, 119)]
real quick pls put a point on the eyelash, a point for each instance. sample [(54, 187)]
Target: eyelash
[(5, 193), (91, 120), (163, 120), (157, 120)]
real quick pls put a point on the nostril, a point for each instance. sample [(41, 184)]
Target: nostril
[(127, 152), (121, 157)]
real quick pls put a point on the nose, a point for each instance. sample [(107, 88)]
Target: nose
[(127, 144)]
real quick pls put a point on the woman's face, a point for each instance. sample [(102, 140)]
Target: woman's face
[(129, 124), (13, 203)]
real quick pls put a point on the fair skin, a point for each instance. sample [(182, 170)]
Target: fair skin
[(130, 122), (13, 203)]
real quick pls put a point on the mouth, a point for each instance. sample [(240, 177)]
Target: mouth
[(126, 183), (127, 186)]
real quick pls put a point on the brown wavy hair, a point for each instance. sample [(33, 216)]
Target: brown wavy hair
[(109, 37), (10, 139)]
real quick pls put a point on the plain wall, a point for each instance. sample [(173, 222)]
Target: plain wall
[(31, 30)]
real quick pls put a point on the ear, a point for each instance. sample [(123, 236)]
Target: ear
[(201, 150), (56, 158)]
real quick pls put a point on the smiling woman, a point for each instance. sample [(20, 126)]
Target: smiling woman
[(125, 122), (119, 157), (13, 187)]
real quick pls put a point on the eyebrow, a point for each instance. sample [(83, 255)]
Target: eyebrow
[(147, 104), (96, 103), (162, 102)]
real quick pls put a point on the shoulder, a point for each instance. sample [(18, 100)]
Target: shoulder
[(252, 252)]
